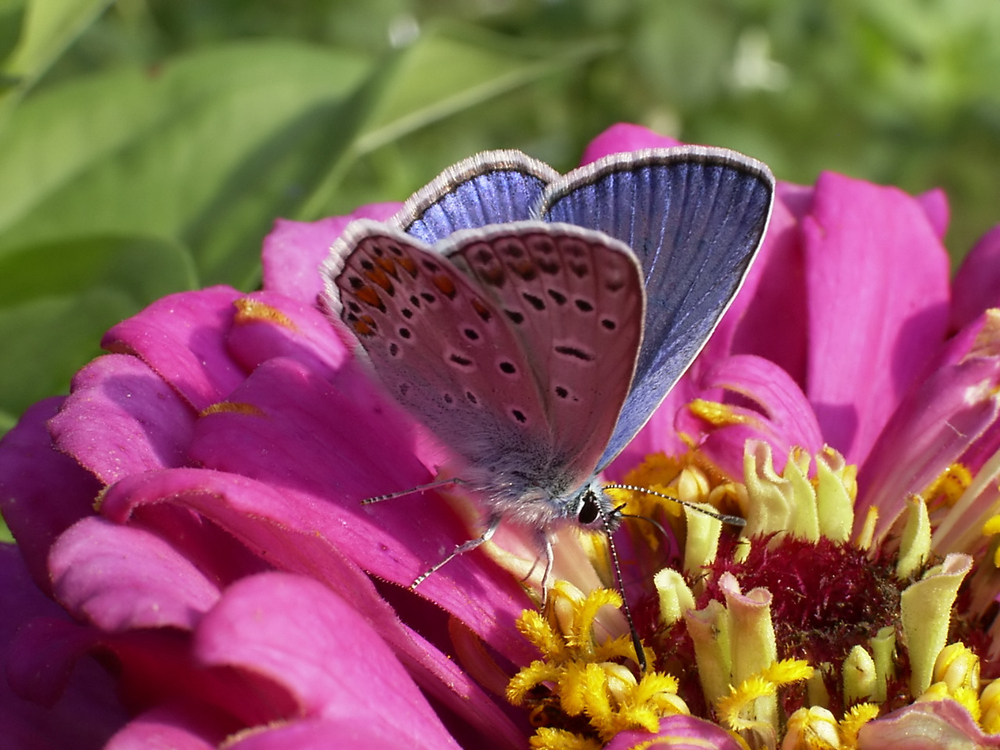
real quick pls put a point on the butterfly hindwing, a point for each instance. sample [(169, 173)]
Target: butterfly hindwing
[(493, 187), (695, 218), (574, 300), (527, 395), (439, 346)]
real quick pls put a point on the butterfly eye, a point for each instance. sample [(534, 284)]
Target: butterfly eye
[(589, 509)]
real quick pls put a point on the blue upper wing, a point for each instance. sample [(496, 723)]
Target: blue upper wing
[(695, 217), (494, 187)]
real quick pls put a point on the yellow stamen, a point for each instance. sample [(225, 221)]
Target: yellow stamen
[(579, 677), (547, 738), (856, 718), (950, 484), (992, 528), (989, 703), (812, 728), (718, 415), (761, 685), (250, 310), (232, 407), (958, 667)]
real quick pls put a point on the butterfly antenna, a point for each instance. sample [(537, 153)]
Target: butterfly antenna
[(640, 652), (724, 517), (415, 490)]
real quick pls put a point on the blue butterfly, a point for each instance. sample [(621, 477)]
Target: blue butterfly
[(533, 322)]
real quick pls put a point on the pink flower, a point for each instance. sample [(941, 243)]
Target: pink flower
[(849, 337), (194, 561)]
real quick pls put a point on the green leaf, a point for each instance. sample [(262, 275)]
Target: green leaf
[(213, 139), (445, 72), (58, 299), (47, 29), (11, 20)]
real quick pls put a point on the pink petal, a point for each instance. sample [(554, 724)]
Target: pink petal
[(121, 578), (976, 286), (935, 205), (877, 279), (778, 413), (170, 728), (303, 636), (774, 322), (624, 137), (271, 325), (286, 534), (79, 708), (331, 446), (678, 732), (294, 249), (927, 725), (42, 655), (42, 491), (182, 338), (121, 419), (934, 424), (321, 734)]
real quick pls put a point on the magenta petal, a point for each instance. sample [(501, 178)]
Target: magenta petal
[(774, 322), (927, 725), (121, 578), (624, 137), (122, 419), (287, 533), (303, 636), (169, 729), (322, 734), (934, 424), (42, 656), (272, 325), (182, 338), (78, 707), (877, 279), (294, 249), (678, 732), (373, 450), (42, 491), (935, 205), (779, 413), (976, 286)]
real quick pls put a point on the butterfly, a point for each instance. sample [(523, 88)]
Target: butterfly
[(533, 322)]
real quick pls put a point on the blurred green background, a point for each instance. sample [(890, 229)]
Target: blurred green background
[(147, 145)]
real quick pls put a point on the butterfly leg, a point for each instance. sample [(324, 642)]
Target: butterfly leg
[(460, 550), (414, 490), (546, 544)]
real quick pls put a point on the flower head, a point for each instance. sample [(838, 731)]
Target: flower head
[(190, 536)]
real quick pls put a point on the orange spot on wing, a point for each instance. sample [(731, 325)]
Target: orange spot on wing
[(481, 310), (388, 265), (364, 326), (377, 276), (409, 265), (370, 297), (445, 285)]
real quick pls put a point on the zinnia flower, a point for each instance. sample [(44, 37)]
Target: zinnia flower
[(194, 568)]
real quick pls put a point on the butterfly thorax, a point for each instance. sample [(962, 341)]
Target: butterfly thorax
[(544, 502)]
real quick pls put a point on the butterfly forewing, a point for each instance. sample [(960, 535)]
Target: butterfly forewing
[(695, 218), (574, 300), (493, 187)]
